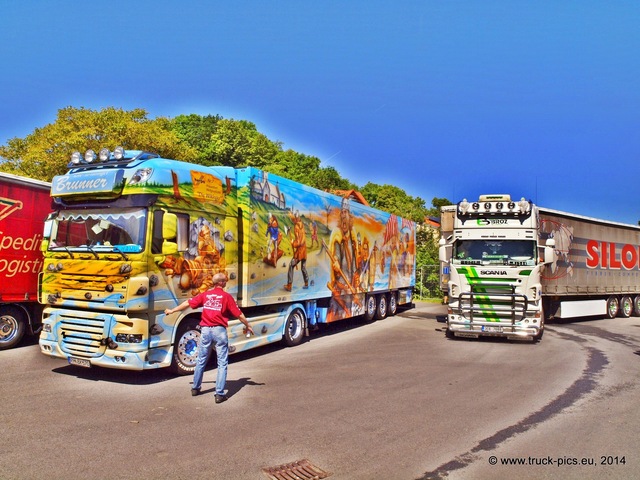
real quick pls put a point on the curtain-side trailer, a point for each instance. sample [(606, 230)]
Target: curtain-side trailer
[(133, 234), (514, 265), (24, 205)]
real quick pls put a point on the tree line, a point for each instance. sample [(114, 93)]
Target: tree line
[(201, 139)]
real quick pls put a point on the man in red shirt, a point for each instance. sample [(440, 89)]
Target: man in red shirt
[(217, 306)]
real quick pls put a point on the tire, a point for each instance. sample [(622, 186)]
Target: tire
[(13, 323), (370, 306), (185, 350), (449, 334), (393, 304), (612, 306), (626, 307), (381, 309), (636, 306), (294, 328)]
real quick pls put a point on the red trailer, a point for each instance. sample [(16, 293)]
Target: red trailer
[(24, 205)]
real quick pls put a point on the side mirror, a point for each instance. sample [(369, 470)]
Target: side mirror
[(169, 233), (444, 253), (550, 255), (169, 226)]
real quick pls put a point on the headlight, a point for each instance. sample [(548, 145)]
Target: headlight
[(128, 338)]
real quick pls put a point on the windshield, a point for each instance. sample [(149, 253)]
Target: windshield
[(500, 252), (122, 231)]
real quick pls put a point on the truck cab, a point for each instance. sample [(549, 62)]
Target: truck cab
[(495, 258)]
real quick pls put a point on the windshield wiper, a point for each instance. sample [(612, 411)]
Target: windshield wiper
[(124, 255), (66, 249)]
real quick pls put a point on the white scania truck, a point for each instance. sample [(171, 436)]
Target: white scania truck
[(512, 265)]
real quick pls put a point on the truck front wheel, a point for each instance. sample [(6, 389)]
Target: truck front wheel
[(13, 322), (294, 328), (185, 350)]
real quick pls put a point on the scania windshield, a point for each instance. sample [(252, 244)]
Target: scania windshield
[(494, 252)]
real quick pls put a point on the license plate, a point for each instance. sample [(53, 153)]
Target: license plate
[(81, 362), (492, 329)]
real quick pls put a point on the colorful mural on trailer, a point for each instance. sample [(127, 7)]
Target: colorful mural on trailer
[(299, 243)]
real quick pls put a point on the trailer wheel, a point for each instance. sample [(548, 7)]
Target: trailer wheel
[(370, 308), (636, 306), (393, 304), (13, 322), (626, 307), (294, 328), (612, 306), (185, 350), (381, 311)]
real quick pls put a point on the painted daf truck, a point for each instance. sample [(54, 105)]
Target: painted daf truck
[(133, 234), (514, 265), (24, 205)]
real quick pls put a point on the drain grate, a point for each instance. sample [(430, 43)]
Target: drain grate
[(300, 470)]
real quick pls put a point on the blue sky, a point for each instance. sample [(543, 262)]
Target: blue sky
[(450, 99)]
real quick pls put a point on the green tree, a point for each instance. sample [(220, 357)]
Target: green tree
[(196, 131), (295, 166), (237, 143), (395, 200), (328, 178), (46, 152), (436, 203)]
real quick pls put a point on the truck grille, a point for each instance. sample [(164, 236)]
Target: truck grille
[(493, 302), (82, 336)]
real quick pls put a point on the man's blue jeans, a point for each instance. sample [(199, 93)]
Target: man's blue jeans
[(209, 337)]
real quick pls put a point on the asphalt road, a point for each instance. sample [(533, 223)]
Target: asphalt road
[(393, 399)]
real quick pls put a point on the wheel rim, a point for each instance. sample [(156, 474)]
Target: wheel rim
[(8, 328), (392, 304), (371, 306), (382, 306), (613, 307), (636, 304), (295, 325), (627, 306), (188, 348)]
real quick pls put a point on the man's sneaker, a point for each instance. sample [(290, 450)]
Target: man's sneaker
[(221, 398), (195, 392)]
